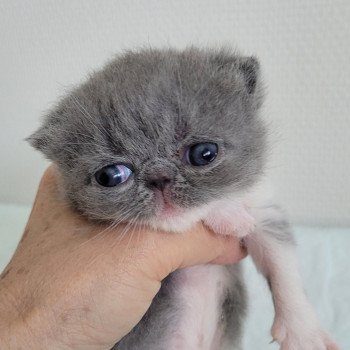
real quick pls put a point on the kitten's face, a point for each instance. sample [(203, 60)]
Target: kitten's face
[(157, 136)]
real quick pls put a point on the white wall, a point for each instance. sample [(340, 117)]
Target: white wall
[(304, 47)]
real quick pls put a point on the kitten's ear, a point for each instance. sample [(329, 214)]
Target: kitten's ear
[(46, 140), (38, 139), (249, 67)]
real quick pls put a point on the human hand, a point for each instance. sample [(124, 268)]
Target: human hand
[(73, 284)]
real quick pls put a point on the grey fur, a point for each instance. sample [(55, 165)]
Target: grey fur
[(144, 108), (273, 221), (234, 310), (164, 315)]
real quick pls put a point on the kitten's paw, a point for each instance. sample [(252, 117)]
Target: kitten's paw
[(231, 221), (300, 336), (243, 225)]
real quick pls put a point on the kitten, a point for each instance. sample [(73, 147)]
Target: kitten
[(167, 138)]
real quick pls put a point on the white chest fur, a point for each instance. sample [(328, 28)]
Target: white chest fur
[(200, 290)]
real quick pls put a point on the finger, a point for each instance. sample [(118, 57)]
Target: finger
[(50, 215), (231, 257), (197, 246)]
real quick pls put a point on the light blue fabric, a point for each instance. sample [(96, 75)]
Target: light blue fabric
[(324, 255)]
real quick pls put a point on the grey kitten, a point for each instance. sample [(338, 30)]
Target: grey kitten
[(167, 138)]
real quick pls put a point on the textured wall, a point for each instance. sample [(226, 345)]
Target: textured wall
[(46, 46)]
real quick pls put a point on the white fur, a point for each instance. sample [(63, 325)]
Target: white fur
[(295, 325), (180, 223), (199, 292), (230, 217)]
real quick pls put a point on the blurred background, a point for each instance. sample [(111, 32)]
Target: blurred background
[(304, 47)]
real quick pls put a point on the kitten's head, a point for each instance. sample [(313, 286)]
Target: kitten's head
[(157, 135)]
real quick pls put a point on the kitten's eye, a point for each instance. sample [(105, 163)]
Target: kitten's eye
[(202, 153), (112, 175)]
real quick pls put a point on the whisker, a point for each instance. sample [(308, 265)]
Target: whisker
[(114, 224)]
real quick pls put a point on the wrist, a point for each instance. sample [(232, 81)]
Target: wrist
[(23, 329)]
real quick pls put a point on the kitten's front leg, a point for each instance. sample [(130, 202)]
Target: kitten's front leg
[(270, 244), (272, 248)]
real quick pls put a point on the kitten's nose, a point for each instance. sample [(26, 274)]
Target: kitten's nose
[(159, 182)]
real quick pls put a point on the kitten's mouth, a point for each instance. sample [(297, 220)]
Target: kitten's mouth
[(167, 211), (165, 208), (170, 217)]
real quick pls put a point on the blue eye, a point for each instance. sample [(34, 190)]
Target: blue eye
[(112, 175), (202, 153)]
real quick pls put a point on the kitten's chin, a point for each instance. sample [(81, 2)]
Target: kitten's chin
[(178, 220)]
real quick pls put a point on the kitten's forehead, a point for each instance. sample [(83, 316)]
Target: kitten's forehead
[(149, 101), (161, 97)]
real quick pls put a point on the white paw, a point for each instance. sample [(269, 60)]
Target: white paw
[(243, 225), (231, 220), (293, 335)]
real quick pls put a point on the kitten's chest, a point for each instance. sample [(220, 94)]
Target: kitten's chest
[(200, 293)]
